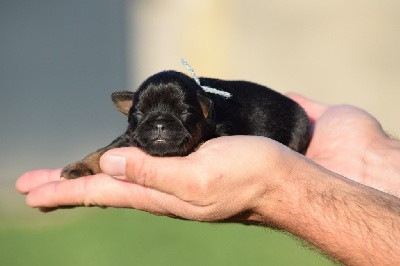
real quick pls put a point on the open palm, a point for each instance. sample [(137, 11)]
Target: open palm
[(346, 140)]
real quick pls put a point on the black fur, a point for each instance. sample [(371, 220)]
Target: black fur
[(171, 115)]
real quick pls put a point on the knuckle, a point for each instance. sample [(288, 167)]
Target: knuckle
[(202, 188), (91, 190), (197, 188), (87, 193), (206, 213), (143, 172)]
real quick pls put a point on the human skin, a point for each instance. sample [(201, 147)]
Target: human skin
[(249, 179), (349, 141)]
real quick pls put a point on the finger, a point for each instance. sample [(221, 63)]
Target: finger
[(84, 191), (172, 175), (104, 191), (33, 179), (98, 190), (313, 108)]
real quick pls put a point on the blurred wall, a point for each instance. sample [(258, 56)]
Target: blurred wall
[(59, 63), (332, 51), (60, 60)]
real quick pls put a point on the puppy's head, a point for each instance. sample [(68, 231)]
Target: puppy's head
[(169, 114)]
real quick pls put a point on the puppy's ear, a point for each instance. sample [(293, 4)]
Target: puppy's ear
[(123, 101), (206, 105)]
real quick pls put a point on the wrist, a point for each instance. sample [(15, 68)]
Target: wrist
[(281, 199), (382, 165), (334, 214)]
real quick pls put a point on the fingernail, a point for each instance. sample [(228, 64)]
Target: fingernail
[(113, 165)]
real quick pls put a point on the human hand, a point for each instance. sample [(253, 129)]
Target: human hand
[(346, 140), (351, 142), (254, 179), (226, 178)]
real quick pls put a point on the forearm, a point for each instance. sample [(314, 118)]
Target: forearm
[(353, 223)]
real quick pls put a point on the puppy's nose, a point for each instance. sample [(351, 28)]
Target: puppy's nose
[(160, 127)]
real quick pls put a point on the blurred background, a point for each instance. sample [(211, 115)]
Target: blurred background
[(60, 60)]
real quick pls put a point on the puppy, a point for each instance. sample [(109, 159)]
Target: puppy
[(171, 115)]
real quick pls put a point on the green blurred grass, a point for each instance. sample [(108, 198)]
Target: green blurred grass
[(126, 237)]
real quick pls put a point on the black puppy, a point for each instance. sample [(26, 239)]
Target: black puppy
[(171, 115)]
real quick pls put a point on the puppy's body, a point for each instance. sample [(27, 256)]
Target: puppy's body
[(257, 110), (171, 115)]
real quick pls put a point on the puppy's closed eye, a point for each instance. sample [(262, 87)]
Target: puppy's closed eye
[(138, 116), (191, 114), (185, 115)]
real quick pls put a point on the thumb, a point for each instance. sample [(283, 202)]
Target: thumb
[(313, 108), (166, 174)]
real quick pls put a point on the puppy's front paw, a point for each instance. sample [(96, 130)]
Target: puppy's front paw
[(76, 170)]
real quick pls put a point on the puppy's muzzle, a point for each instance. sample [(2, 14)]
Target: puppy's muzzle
[(161, 135)]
